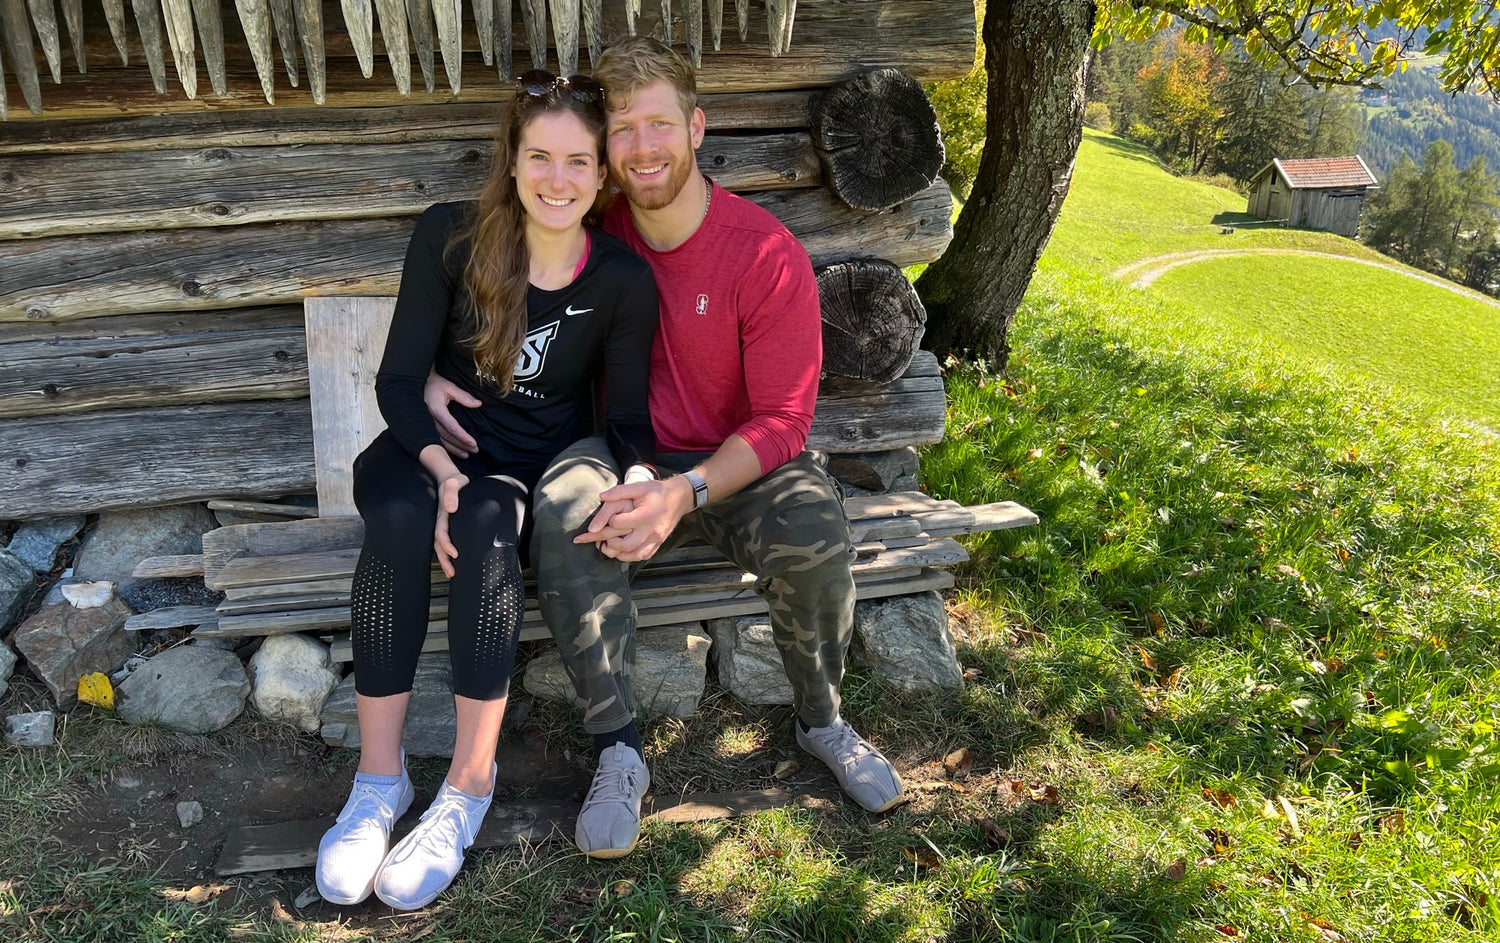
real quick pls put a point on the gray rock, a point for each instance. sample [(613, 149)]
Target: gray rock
[(36, 729), (7, 667), (906, 639), (124, 538), (62, 644), (291, 676), (748, 661), (17, 583), (877, 472), (35, 543), (671, 662), (189, 813), (191, 689), (430, 720)]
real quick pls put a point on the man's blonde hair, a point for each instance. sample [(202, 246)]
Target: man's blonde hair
[(631, 64)]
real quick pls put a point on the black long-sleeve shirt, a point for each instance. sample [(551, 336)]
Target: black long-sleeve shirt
[(602, 324)]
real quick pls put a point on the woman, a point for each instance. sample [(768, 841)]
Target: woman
[(522, 306)]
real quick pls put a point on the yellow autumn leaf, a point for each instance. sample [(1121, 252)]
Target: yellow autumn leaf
[(94, 688)]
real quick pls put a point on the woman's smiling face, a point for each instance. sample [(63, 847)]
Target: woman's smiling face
[(557, 170)]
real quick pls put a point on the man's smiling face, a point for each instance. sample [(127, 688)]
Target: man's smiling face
[(651, 144)]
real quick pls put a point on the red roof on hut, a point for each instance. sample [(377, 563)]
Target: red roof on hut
[(1316, 172)]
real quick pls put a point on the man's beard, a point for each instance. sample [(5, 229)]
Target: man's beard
[(657, 194)]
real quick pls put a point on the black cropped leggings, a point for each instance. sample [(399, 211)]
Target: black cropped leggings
[(393, 581)]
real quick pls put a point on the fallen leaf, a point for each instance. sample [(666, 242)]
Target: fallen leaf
[(1045, 794), (994, 834), (1172, 680), (776, 853), (1033, 454), (1324, 928), (1286, 570), (1395, 822), (1267, 879), (1219, 840), (1224, 800), (939, 785), (1158, 625), (1354, 840), (1061, 448), (1227, 930), (94, 688), (1291, 815), (958, 763), (786, 768), (1300, 873), (924, 857), (1147, 659), (972, 674), (1341, 554), (1013, 789), (1177, 870), (197, 894), (622, 888)]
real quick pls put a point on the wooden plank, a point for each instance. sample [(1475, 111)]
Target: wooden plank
[(189, 564), (57, 195), (981, 518), (44, 21), (223, 544), (345, 338), (210, 20), (58, 279), (124, 458), (21, 58), (255, 20), (264, 507), (897, 583), (171, 617), (253, 848), (931, 39), (89, 374)]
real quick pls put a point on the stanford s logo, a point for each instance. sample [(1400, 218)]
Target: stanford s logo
[(702, 304), (534, 352)]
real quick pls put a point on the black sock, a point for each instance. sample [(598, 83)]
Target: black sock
[(802, 725), (627, 735)]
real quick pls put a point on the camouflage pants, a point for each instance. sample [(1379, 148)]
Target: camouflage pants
[(788, 528)]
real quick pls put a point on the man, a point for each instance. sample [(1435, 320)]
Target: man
[(734, 378)]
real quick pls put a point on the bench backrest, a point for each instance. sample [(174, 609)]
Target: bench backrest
[(345, 341)]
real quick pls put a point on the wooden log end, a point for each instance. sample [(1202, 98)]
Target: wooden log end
[(878, 140), (872, 320)]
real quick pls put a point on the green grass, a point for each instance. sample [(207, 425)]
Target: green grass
[(1415, 338)]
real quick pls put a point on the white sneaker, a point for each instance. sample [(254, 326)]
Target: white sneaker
[(862, 771), (350, 853), (610, 823), (424, 863)]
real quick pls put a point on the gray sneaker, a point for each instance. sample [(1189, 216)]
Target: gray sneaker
[(610, 822), (862, 771)]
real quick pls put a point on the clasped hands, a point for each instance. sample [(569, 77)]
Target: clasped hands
[(634, 517)]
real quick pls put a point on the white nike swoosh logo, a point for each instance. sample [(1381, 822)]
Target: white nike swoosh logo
[(570, 311)]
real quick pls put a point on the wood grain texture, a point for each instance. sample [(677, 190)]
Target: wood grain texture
[(931, 39), (20, 57), (148, 21), (209, 17), (255, 20), (189, 564), (129, 458), (345, 340), (44, 21), (57, 195), (58, 279)]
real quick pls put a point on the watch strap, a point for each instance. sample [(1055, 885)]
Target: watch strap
[(700, 487)]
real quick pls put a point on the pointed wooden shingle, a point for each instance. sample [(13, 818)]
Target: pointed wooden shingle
[(666, 21), (565, 32), (419, 18), (716, 22), (44, 20), (742, 10), (179, 20), (393, 33), (114, 14), (447, 15), (4, 105), (534, 18), (210, 20), (22, 57), (148, 22), (484, 23), (504, 42), (73, 16), (776, 14), (632, 13), (309, 16), (286, 36), (359, 22), (593, 28), (255, 20), (692, 17)]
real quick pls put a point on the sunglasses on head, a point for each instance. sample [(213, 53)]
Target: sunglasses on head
[(540, 83)]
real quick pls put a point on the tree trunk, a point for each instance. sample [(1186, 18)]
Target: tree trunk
[(1036, 57)]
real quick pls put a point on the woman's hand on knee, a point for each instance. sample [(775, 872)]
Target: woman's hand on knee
[(442, 543)]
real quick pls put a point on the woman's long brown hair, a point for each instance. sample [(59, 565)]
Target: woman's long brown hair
[(499, 266)]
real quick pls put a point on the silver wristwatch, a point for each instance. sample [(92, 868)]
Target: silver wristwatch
[(700, 487)]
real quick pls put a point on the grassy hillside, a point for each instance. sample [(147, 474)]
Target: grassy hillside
[(1395, 330)]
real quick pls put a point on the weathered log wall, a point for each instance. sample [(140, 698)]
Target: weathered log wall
[(152, 265)]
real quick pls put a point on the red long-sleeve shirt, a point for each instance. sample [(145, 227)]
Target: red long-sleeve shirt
[(739, 346)]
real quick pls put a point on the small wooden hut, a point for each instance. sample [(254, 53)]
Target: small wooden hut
[(176, 176), (1315, 193)]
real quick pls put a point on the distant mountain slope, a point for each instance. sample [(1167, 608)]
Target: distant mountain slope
[(1412, 111)]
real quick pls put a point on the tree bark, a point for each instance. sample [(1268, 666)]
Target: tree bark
[(1036, 57)]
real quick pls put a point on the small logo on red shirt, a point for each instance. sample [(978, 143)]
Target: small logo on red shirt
[(702, 304)]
